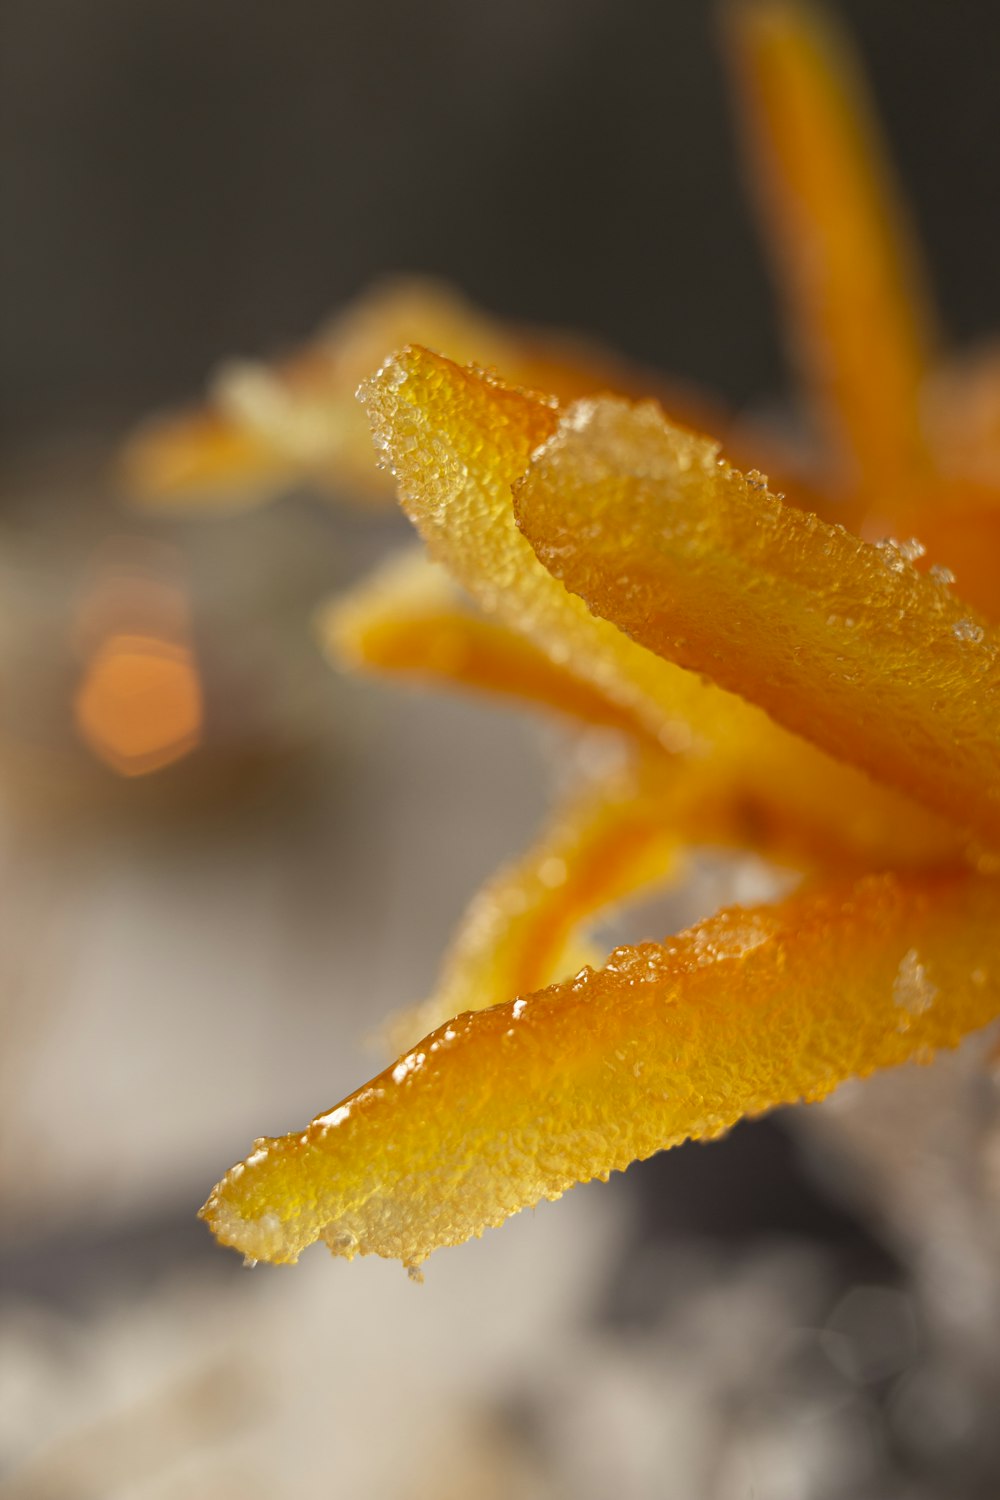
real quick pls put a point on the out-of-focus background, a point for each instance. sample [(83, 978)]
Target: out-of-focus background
[(199, 955)]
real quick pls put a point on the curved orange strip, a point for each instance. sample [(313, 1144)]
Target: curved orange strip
[(846, 266), (522, 930), (841, 641), (746, 1011), (407, 619)]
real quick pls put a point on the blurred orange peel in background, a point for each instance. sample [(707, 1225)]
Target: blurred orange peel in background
[(269, 426), (821, 696)]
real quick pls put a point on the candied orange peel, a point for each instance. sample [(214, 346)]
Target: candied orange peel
[(408, 620), (267, 426), (840, 640), (846, 265), (523, 930), (459, 442), (826, 698), (499, 1109)]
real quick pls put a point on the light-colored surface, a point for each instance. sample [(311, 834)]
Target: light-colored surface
[(278, 1384), (181, 991)]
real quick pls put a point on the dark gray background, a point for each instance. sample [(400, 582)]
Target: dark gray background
[(184, 179)]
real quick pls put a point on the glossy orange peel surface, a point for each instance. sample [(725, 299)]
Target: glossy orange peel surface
[(499, 1109)]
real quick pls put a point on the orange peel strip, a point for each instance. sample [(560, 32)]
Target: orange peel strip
[(503, 1108), (963, 421), (847, 266), (618, 838), (267, 425), (768, 791), (199, 458), (841, 641), (521, 931), (457, 441), (409, 620)]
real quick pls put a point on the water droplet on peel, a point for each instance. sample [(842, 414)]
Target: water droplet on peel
[(967, 630), (940, 574)]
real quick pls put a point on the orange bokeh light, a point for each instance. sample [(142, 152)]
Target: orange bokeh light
[(139, 705)]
